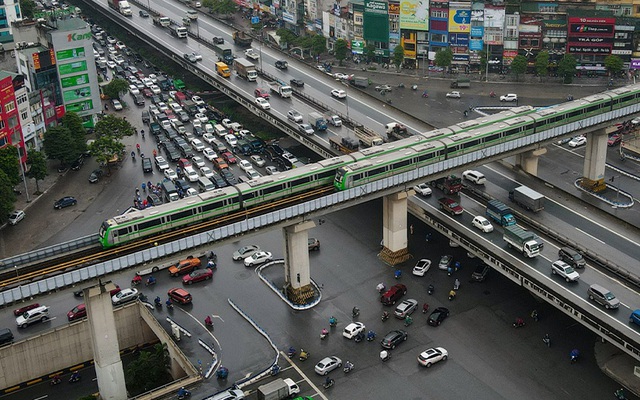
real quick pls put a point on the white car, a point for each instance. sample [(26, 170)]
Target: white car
[(250, 53), (111, 64), (163, 107), (474, 176), (133, 89), (209, 154), (509, 97), (191, 174), (421, 267), (198, 100), (226, 123), (339, 93), (335, 120), (262, 103), (271, 170), (197, 56), (116, 105), (307, 129), (124, 296), (231, 139), (202, 117), (161, 163), (15, 217), (197, 161), (197, 144), (431, 356), (423, 189), (351, 330), (155, 89), (206, 172), (341, 76), (482, 223), (237, 127), (564, 270), (453, 95), (295, 116), (170, 174), (258, 258), (209, 138), (196, 123), (175, 107), (258, 161), (245, 165), (578, 141), (148, 82), (288, 156), (252, 174)]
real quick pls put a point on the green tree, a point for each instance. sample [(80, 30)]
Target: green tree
[(398, 56), (443, 59), (340, 49), (73, 122), (286, 37), (113, 126), (10, 165), (115, 88), (37, 167), (370, 52), (318, 44), (567, 67), (149, 370), (56, 145), (613, 64), (483, 60), (542, 64), (225, 7), (27, 7), (105, 147), (7, 197), (519, 65)]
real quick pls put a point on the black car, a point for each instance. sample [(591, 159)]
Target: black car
[(153, 199), (296, 82), (282, 64), (437, 316), (218, 40), (146, 165), (138, 99), (146, 118), (95, 176), (218, 181), (77, 163), (198, 131), (65, 202), (228, 176), (480, 273), (182, 184), (393, 338), (143, 14)]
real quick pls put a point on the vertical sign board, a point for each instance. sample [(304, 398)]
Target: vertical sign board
[(414, 14), (376, 21)]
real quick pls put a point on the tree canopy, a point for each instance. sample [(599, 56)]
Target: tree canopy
[(519, 65), (37, 167), (7, 197), (542, 64), (114, 126), (318, 44), (225, 7), (340, 49), (567, 67), (56, 145), (10, 165), (28, 8), (398, 56), (149, 370), (613, 64), (444, 58), (115, 88)]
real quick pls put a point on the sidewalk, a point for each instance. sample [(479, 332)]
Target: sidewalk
[(29, 198)]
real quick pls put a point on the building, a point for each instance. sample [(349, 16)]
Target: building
[(10, 128), (9, 12)]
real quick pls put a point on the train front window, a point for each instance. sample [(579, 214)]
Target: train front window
[(340, 175)]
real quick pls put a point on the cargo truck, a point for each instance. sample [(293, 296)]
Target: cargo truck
[(224, 52), (281, 89), (500, 212), (159, 20), (317, 121), (242, 39), (396, 130), (524, 241), (449, 185), (367, 137), (461, 83), (245, 69), (121, 6), (359, 81), (178, 31), (527, 198), (345, 144), (278, 389), (223, 69)]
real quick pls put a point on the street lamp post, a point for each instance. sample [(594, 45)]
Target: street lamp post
[(486, 38), (24, 178)]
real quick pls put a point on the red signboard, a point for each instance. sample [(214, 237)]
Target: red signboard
[(591, 35)]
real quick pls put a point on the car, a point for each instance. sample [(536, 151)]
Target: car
[(386, 88), (351, 330), (634, 318), (445, 262), (251, 54), (226, 122), (143, 14), (564, 270), (341, 76), (207, 137), (259, 92), (198, 56), (180, 295), (480, 272), (77, 312), (423, 189), (197, 161), (64, 202), (327, 365), (451, 206), (296, 82), (155, 89), (124, 296), (421, 268), (335, 120), (339, 93), (111, 64), (614, 139), (19, 311), (313, 244), (271, 170), (407, 307), (231, 139), (307, 129), (202, 118), (393, 338), (252, 173), (578, 141), (295, 116), (198, 100), (290, 157), (161, 163), (437, 316), (197, 144), (146, 92), (565, 140), (146, 164), (170, 174), (245, 165), (206, 172), (209, 154), (116, 105), (258, 161), (393, 294), (482, 223), (509, 97), (16, 216), (40, 314), (453, 95), (262, 103), (244, 252), (281, 64), (120, 45), (258, 257), (95, 175), (474, 176), (218, 40), (431, 356), (133, 89)]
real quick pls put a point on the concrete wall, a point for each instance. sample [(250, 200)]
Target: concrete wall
[(66, 346)]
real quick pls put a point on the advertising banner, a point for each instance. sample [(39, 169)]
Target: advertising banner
[(635, 63), (376, 21), (72, 68), (459, 21), (459, 39), (357, 46), (79, 107), (75, 80), (70, 53), (76, 94), (476, 45), (414, 14)]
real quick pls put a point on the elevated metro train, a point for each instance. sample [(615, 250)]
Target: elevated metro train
[(351, 170)]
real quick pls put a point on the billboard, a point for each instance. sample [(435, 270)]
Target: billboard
[(43, 59), (414, 14), (376, 21), (76, 94), (70, 53), (591, 35), (75, 80), (72, 68), (459, 20)]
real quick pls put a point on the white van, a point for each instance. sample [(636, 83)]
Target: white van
[(205, 184), (220, 130)]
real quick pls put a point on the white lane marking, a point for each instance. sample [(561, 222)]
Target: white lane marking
[(306, 378), (591, 236)]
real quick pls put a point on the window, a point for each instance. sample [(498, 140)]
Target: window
[(10, 106), (24, 115)]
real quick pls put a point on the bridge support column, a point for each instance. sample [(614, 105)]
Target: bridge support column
[(394, 229), (296, 262), (106, 352), (595, 159), (528, 160)]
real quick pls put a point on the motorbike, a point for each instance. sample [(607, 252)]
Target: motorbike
[(133, 156), (547, 340), (291, 352), (359, 337), (370, 336), (333, 322), (208, 322), (275, 370), (619, 394), (574, 356), (414, 87), (303, 355), (397, 274), (425, 95), (400, 85), (452, 295), (150, 282), (385, 316), (142, 297), (355, 312), (169, 304), (425, 308), (519, 323), (55, 380), (348, 367), (430, 289), (408, 321), (74, 378), (456, 284), (380, 288), (327, 384), (385, 355), (492, 94), (324, 334), (136, 280), (157, 302), (183, 393)]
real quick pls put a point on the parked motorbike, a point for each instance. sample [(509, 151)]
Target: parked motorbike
[(574, 356), (275, 370), (370, 336), (56, 380), (75, 377), (385, 355), (547, 340), (291, 352)]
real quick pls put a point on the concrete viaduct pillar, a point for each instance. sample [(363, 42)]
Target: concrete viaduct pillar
[(106, 351), (394, 228), (296, 263), (528, 160), (595, 159)]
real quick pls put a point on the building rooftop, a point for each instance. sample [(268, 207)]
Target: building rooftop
[(4, 74), (71, 24)]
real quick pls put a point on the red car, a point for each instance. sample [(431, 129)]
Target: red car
[(394, 294), (614, 139), (78, 312), (24, 309), (229, 157), (180, 295), (197, 276), (261, 93), (147, 92), (451, 206)]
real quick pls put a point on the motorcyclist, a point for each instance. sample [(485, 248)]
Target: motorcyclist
[(408, 320), (546, 339), (397, 274), (142, 133), (75, 376), (620, 394), (157, 301), (57, 378), (138, 147), (384, 355), (574, 355), (303, 354), (348, 365), (211, 264), (425, 308), (324, 332), (136, 280), (208, 321), (385, 315), (182, 392), (456, 284), (534, 315), (328, 381), (380, 288), (169, 303), (430, 288), (333, 321), (292, 351), (371, 335), (151, 280), (519, 322), (492, 94), (356, 311), (452, 294)]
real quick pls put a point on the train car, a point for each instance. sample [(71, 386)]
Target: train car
[(137, 224)]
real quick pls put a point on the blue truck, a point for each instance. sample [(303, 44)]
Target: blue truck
[(500, 212)]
